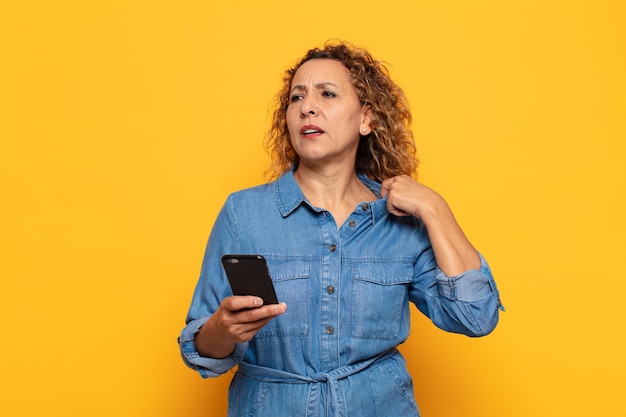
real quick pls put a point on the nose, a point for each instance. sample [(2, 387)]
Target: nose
[(309, 107)]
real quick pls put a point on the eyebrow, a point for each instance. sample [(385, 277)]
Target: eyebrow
[(318, 86)]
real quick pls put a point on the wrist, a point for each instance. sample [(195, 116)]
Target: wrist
[(209, 344)]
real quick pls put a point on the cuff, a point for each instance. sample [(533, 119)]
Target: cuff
[(207, 367), (470, 286)]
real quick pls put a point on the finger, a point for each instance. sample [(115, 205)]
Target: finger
[(241, 302), (383, 191), (249, 322), (238, 322), (247, 332), (385, 187), (262, 313), (397, 212)]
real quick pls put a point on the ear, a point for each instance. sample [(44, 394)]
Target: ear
[(366, 118)]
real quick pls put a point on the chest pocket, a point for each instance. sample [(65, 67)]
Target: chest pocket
[(380, 299), (291, 279)]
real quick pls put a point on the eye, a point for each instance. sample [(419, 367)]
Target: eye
[(328, 93), (296, 97)]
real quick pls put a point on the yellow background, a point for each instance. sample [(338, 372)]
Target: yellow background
[(124, 125)]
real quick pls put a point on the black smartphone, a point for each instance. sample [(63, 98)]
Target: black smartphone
[(249, 275)]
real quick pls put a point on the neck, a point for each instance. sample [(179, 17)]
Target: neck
[(336, 191)]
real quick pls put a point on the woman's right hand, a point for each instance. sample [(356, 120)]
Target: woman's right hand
[(237, 320)]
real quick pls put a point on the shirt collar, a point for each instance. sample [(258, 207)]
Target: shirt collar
[(289, 196), (378, 208), (288, 193)]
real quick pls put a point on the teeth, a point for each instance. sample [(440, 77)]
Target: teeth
[(309, 131)]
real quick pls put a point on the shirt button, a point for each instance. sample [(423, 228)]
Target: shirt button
[(330, 329), (330, 289), (332, 248), (351, 223), (365, 206)]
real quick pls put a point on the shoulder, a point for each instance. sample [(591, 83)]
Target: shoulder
[(254, 190), (249, 197)]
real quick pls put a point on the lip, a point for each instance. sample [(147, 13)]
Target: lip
[(313, 131)]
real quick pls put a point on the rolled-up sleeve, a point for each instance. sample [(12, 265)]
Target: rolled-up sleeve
[(476, 295), (468, 303), (206, 367), (469, 286)]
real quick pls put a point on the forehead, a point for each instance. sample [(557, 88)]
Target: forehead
[(322, 70)]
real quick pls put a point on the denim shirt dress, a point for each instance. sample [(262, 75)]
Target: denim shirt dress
[(348, 288)]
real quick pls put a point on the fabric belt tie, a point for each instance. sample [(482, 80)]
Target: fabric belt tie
[(263, 374)]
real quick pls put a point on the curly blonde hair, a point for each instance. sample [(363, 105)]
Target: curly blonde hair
[(387, 151)]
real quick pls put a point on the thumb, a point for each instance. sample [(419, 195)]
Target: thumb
[(384, 187)]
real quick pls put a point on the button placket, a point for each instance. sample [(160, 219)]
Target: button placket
[(329, 309)]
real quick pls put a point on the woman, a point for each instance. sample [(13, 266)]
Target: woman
[(350, 238)]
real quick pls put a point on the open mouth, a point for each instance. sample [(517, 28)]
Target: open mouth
[(310, 130)]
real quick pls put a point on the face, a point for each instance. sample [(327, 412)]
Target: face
[(325, 117)]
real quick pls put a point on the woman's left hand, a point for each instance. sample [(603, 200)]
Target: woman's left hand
[(406, 196)]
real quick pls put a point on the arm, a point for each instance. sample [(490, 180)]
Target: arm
[(454, 253), (219, 325), (454, 285)]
